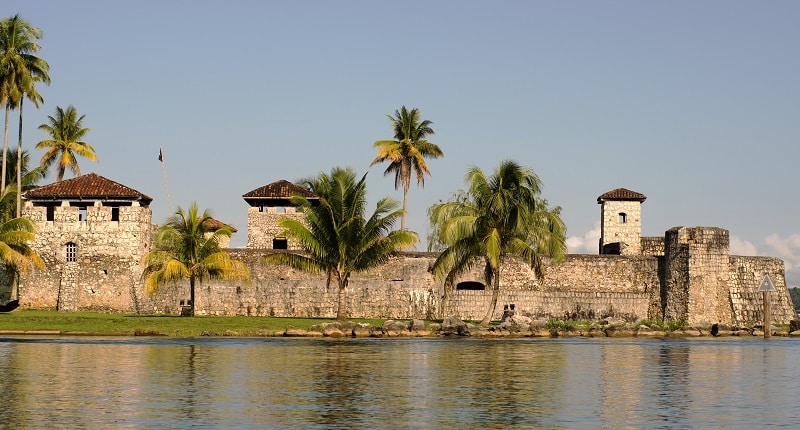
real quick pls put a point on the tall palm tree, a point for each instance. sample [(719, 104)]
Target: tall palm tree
[(36, 98), (337, 237), (187, 247), (20, 68), (502, 215), (26, 179), (16, 254), (66, 131), (406, 154)]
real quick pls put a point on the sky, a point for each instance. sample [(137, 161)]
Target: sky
[(695, 104)]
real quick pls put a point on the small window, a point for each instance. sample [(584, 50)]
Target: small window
[(623, 217), (72, 252), (82, 213), (280, 243), (114, 214), (51, 213)]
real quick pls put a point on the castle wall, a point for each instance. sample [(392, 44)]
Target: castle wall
[(693, 278), (106, 269), (747, 302), (262, 227)]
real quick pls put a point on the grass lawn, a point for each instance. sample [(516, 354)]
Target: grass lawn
[(153, 325)]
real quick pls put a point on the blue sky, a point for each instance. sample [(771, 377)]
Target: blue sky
[(694, 104)]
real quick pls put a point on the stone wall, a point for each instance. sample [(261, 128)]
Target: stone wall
[(104, 273), (695, 280), (747, 302), (262, 226)]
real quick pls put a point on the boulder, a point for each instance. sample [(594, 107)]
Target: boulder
[(417, 325), (362, 330), (394, 328), (454, 326)]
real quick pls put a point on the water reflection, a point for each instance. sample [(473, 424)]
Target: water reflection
[(405, 383)]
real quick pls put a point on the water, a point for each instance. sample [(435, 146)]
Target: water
[(398, 383)]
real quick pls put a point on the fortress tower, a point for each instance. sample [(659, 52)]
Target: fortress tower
[(621, 222), (268, 204), (92, 233)]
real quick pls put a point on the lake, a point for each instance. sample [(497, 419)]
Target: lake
[(93, 382)]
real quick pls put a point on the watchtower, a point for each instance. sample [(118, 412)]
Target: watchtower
[(92, 233), (621, 222), (268, 204)]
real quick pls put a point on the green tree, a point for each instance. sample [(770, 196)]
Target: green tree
[(187, 247), (28, 179), (337, 237), (20, 69), (503, 214), (16, 254), (406, 154), (66, 131)]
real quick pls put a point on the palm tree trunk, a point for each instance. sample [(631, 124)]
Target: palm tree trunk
[(341, 312), (495, 293), (405, 206), (191, 296), (5, 149), (19, 162)]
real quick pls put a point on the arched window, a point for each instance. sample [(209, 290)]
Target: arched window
[(71, 252), (623, 217)]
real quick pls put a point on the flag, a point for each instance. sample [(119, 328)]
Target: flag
[(160, 155)]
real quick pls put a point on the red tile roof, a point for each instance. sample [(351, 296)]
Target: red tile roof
[(87, 187), (215, 224), (621, 194), (279, 190)]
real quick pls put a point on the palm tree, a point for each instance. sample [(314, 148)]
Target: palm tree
[(66, 131), (187, 246), (337, 237), (16, 255), (19, 70), (36, 98), (503, 215), (27, 179), (406, 154)]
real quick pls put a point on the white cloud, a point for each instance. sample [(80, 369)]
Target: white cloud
[(738, 246), (786, 248), (586, 244)]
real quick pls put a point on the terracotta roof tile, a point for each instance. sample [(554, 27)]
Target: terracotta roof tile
[(87, 187), (215, 224), (279, 190), (621, 194)]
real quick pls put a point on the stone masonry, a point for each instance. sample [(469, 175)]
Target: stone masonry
[(93, 248)]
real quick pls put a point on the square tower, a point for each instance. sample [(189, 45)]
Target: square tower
[(621, 222), (268, 204)]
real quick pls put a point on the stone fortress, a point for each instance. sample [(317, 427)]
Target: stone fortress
[(93, 233)]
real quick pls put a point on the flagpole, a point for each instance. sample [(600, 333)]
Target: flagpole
[(166, 185)]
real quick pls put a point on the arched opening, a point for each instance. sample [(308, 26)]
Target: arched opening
[(470, 286)]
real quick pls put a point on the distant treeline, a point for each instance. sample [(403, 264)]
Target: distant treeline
[(795, 294)]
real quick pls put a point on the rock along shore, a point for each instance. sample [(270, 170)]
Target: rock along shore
[(519, 328)]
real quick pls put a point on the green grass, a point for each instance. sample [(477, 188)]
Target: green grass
[(154, 325)]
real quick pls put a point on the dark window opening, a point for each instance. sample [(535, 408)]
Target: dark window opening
[(82, 213), (280, 243), (114, 214), (470, 285), (72, 252), (51, 213), (623, 217)]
